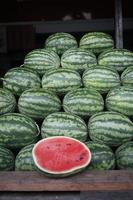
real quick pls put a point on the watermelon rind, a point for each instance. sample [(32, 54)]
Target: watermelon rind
[(41, 60), (101, 78), (60, 42), (64, 124), (7, 159), (124, 156), (83, 102), (120, 59), (78, 59), (24, 160), (111, 128), (96, 42), (127, 77), (102, 156), (7, 101), (38, 103), (64, 173), (120, 99), (17, 130), (19, 79), (61, 80)]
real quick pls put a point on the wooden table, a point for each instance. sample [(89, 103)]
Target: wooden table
[(92, 185)]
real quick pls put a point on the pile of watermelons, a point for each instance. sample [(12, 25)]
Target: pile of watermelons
[(82, 90)]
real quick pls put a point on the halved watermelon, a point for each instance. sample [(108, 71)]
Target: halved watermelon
[(60, 156)]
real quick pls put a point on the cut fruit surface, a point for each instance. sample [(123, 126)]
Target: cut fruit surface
[(61, 155)]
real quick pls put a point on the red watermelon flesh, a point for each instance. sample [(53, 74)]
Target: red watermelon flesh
[(61, 155)]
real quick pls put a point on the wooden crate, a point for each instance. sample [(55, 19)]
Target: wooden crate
[(88, 185)]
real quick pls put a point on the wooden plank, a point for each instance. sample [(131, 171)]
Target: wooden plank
[(118, 24), (39, 195), (119, 195), (86, 181)]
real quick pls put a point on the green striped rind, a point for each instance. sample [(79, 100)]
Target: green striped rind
[(61, 80), (124, 156), (101, 78), (7, 159), (19, 79), (127, 77), (117, 58), (83, 102), (110, 128), (102, 156), (60, 42), (77, 59), (7, 101), (97, 42), (17, 130), (38, 103), (64, 124), (120, 99), (41, 60), (24, 160)]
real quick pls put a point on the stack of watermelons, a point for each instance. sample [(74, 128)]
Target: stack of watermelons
[(82, 90)]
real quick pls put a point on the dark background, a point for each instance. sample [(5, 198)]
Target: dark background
[(25, 24)]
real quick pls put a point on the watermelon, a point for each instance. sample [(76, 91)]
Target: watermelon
[(102, 156), (41, 60), (124, 156), (61, 80), (7, 159), (17, 130), (60, 42), (24, 160), (64, 124), (78, 59), (127, 77), (19, 79), (38, 103), (101, 78), (61, 156), (7, 101), (83, 102), (120, 99), (110, 128), (120, 59), (96, 42)]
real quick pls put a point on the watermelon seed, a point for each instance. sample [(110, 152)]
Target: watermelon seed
[(58, 145), (69, 144)]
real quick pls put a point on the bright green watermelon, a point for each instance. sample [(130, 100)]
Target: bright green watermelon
[(124, 156), (24, 160), (120, 99), (17, 130), (96, 42), (60, 42), (83, 102), (61, 156), (120, 59), (78, 59), (102, 156), (101, 78), (7, 159), (19, 79), (110, 128), (41, 60), (64, 124), (61, 80), (7, 101), (38, 103)]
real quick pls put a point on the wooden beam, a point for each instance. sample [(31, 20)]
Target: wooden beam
[(114, 180)]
